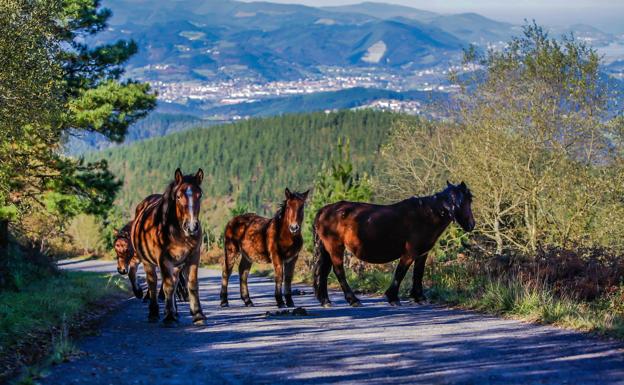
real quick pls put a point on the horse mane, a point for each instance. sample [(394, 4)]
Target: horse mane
[(441, 200), (124, 232), (165, 204)]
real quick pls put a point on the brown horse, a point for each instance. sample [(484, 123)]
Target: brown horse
[(276, 240), (127, 261), (167, 233), (380, 234)]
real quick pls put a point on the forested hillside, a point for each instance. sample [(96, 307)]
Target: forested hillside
[(250, 161)]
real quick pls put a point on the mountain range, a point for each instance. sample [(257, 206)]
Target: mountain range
[(221, 39)]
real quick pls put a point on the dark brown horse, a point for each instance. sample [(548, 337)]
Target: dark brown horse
[(276, 240), (380, 234), (167, 233)]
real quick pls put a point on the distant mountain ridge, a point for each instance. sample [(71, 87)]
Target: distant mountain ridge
[(221, 39)]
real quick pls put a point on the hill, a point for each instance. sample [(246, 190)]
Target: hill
[(223, 39), (155, 124), (250, 161)]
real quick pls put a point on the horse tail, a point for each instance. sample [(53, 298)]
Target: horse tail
[(322, 263)]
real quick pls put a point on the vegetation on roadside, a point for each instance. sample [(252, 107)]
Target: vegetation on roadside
[(37, 317), (53, 84)]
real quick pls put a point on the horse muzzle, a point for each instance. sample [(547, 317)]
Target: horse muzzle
[(191, 228), (122, 270), (294, 229)]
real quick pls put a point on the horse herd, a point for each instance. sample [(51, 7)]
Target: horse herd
[(166, 233)]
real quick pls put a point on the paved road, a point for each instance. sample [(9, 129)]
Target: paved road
[(370, 345)]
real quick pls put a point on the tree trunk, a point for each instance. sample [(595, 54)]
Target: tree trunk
[(498, 237)]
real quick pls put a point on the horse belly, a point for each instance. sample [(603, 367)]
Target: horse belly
[(379, 247), (379, 253), (255, 250)]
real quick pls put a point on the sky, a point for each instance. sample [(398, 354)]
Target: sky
[(607, 15)]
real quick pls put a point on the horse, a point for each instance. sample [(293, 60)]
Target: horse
[(274, 240), (406, 230), (167, 233), (128, 262)]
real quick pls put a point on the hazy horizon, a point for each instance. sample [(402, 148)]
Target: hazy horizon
[(603, 14)]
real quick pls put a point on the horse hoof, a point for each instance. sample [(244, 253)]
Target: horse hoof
[(356, 304), (326, 304), (395, 303), (281, 305), (225, 304), (199, 319), (290, 304), (138, 294), (169, 323), (249, 304)]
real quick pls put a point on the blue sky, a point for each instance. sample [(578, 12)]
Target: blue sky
[(605, 14)]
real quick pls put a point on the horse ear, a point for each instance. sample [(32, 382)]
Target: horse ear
[(115, 232), (287, 193), (463, 186), (178, 176), (199, 176), (305, 194)]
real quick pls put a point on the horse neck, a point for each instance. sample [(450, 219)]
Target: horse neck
[(429, 209), (169, 219)]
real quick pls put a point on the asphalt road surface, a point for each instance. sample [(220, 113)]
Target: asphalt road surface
[(374, 344)]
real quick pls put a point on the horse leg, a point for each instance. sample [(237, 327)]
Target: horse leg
[(278, 267), (152, 284), (132, 270), (181, 289), (419, 269), (243, 273), (392, 294), (169, 282), (230, 251), (289, 271), (337, 259), (322, 267), (193, 288), (161, 293)]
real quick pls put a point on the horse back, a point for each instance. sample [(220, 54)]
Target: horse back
[(249, 233), (146, 230), (374, 233)]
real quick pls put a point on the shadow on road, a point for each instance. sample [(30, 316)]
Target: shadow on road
[(373, 344)]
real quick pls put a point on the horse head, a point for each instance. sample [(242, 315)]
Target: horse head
[(182, 200), (293, 210), (458, 203)]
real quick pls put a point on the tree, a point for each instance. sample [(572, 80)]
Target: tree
[(535, 142), (337, 181), (52, 84)]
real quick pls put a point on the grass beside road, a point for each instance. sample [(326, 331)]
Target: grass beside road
[(530, 301), (36, 319), (507, 296)]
